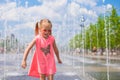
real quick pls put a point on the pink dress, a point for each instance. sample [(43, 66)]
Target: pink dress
[(43, 61)]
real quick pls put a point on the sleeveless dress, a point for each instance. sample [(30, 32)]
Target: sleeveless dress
[(43, 61)]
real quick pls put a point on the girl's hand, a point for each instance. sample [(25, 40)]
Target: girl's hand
[(24, 64), (59, 61)]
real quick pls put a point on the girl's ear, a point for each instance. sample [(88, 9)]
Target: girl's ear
[(40, 30)]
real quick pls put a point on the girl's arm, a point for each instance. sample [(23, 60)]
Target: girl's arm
[(26, 52), (56, 52)]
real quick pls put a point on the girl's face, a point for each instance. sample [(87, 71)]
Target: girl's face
[(45, 30)]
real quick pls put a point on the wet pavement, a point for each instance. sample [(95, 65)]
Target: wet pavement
[(71, 69), (58, 76), (10, 69), (63, 73)]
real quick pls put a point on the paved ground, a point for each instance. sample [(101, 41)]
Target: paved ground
[(58, 76), (71, 69), (10, 70), (64, 73)]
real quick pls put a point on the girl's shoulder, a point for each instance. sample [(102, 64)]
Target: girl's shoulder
[(37, 37), (51, 37)]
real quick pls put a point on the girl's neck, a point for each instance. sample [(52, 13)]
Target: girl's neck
[(44, 37)]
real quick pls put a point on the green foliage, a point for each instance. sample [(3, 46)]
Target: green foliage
[(106, 29)]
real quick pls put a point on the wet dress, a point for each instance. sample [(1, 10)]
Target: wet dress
[(43, 61)]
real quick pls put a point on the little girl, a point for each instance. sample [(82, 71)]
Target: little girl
[(43, 62)]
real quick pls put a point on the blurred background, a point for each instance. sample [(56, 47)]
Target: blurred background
[(86, 32)]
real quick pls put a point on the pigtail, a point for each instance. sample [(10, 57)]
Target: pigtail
[(37, 29), (50, 25), (49, 22)]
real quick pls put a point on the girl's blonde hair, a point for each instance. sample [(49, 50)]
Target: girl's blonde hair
[(39, 25)]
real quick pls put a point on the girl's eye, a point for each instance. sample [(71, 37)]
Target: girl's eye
[(46, 30)]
